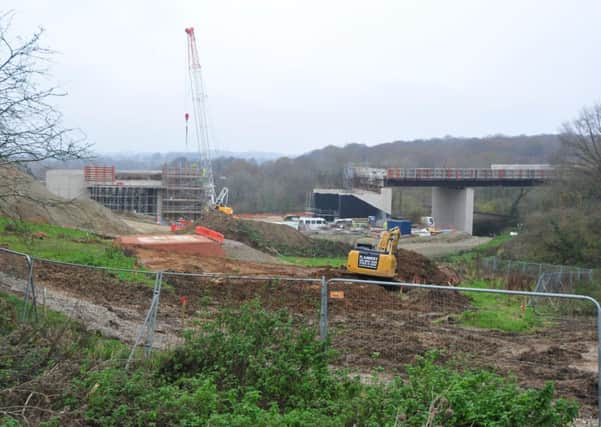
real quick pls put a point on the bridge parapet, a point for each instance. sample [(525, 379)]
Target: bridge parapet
[(374, 178)]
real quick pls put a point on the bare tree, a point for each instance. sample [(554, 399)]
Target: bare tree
[(581, 150), (31, 127)]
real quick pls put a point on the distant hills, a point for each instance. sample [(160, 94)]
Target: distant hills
[(443, 152)]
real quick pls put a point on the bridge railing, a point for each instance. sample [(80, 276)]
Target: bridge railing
[(464, 173)]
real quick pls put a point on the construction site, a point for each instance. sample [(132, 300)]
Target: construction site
[(144, 261), (165, 194)]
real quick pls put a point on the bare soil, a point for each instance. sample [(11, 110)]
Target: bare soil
[(241, 251), (368, 325), (158, 260), (276, 239), (411, 267)]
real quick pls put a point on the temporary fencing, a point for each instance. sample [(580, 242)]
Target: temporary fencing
[(371, 324), (507, 268), (380, 324)]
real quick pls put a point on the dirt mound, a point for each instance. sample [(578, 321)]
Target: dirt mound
[(271, 238), (411, 267), (243, 252), (30, 201)]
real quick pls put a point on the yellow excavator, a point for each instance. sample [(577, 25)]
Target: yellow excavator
[(377, 260), (220, 204), (224, 209)]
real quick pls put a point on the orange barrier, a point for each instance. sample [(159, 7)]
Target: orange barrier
[(211, 234), (180, 224)]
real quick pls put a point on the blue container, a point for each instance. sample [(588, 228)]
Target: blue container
[(403, 224)]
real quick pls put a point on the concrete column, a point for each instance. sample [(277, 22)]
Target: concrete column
[(453, 208), (396, 203)]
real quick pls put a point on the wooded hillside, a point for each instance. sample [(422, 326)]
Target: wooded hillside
[(283, 184)]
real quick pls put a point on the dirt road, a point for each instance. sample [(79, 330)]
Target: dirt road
[(145, 227), (441, 248)]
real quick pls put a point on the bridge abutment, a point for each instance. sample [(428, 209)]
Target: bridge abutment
[(453, 208)]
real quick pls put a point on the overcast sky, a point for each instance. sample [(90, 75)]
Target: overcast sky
[(292, 76)]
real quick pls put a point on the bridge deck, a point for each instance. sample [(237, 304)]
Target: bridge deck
[(450, 177)]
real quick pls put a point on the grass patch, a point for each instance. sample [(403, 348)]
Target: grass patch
[(67, 245), (499, 312), (315, 261)]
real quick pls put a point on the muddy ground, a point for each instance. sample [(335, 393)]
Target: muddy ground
[(275, 239), (369, 326)]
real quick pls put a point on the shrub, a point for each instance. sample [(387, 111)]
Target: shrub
[(254, 367)]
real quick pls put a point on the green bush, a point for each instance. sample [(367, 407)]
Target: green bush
[(253, 367)]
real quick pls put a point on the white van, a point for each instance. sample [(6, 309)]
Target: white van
[(309, 223), (345, 223)]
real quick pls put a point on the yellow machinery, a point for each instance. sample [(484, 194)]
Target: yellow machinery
[(379, 260), (224, 209), (220, 202)]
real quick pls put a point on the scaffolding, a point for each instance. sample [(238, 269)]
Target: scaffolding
[(130, 198), (183, 191), (171, 193)]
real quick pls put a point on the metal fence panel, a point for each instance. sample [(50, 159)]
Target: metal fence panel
[(371, 324), (16, 275)]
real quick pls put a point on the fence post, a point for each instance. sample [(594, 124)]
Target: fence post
[(29, 291), (149, 321), (153, 317), (323, 311)]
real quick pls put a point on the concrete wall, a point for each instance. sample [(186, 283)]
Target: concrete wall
[(66, 183), (381, 200), (453, 208)]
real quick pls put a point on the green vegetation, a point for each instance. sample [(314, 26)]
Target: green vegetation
[(39, 361), (315, 262), (499, 312), (67, 245), (243, 368)]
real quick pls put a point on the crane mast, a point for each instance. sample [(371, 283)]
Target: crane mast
[(200, 115)]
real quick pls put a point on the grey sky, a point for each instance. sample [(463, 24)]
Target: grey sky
[(291, 76)]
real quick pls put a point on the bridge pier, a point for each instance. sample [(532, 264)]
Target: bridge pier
[(453, 207)]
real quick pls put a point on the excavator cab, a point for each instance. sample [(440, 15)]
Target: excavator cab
[(379, 260)]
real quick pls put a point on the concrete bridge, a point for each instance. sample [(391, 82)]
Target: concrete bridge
[(452, 188)]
